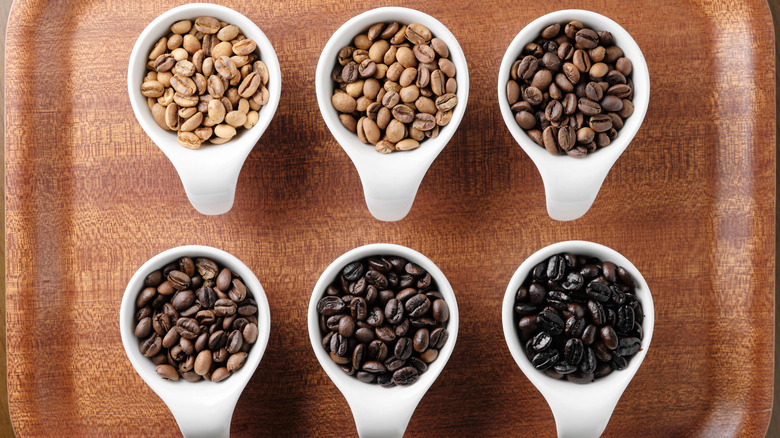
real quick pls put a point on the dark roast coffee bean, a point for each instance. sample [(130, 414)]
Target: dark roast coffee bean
[(546, 359), (550, 322), (599, 291), (573, 351), (625, 319), (562, 367), (394, 311), (628, 346), (438, 338), (609, 337), (596, 311), (618, 362), (353, 271), (405, 376), (417, 305), (403, 348), (541, 341), (328, 305), (589, 362), (376, 317)]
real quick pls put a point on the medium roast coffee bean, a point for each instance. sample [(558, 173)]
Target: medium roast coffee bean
[(384, 316), (188, 328), (574, 73), (577, 328)]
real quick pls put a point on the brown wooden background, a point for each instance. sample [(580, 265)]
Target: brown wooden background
[(89, 199)]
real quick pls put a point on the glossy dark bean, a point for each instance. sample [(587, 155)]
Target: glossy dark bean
[(545, 359), (628, 346), (575, 327), (573, 351), (550, 322), (596, 311), (625, 319), (417, 305), (609, 337), (589, 361), (406, 376), (330, 305), (563, 367), (541, 341)]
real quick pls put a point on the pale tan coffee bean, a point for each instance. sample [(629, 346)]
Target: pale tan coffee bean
[(371, 88), (166, 371), (164, 62), (158, 112), (193, 122), (167, 97), (190, 44), (172, 117), (446, 102), (362, 103), (384, 147), (207, 42), (181, 27), (261, 97), (262, 71), (416, 33), (409, 94), (425, 105), (219, 140), (355, 89), (254, 106), (203, 133), (359, 55), (440, 47), (207, 25), (150, 76), (215, 86), (208, 122), (183, 85), (179, 54), (396, 131), (452, 86), (200, 83), (415, 134), (394, 71), (203, 361), (174, 42), (208, 66), (189, 140), (392, 86), (240, 60), (159, 48), (448, 67), (244, 47), (235, 118), (406, 57), (443, 117), (253, 116), (399, 36), (359, 130), (378, 50), (407, 144), (371, 131), (216, 111), (228, 32), (165, 78), (408, 76), (243, 105), (224, 131), (249, 85), (233, 97), (151, 101), (438, 82), (224, 48), (152, 89), (389, 57), (184, 68), (348, 120), (236, 361), (343, 102), (226, 68), (186, 113), (383, 118), (424, 53), (245, 70), (362, 42)]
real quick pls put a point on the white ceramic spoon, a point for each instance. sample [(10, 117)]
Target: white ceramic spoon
[(209, 174), (390, 182), (201, 409), (580, 410), (382, 412), (571, 184)]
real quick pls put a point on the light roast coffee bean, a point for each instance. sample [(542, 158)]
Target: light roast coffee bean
[(215, 72), (189, 328)]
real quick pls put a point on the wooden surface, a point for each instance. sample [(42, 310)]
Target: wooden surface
[(89, 198)]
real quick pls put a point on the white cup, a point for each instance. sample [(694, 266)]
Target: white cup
[(378, 411), (209, 174), (390, 182), (580, 410), (201, 409), (571, 184)]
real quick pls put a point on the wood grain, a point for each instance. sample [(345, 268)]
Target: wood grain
[(89, 198)]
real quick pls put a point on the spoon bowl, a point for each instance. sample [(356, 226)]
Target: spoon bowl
[(390, 182), (580, 410), (209, 174), (571, 184), (203, 408), (382, 412)]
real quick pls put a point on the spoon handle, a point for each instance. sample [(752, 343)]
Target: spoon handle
[(199, 419), (210, 189)]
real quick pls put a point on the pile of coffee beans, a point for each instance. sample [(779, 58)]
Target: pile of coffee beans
[(205, 81), (383, 320), (579, 317), (395, 86), (196, 320), (571, 89)]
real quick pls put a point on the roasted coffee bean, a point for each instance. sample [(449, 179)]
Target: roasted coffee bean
[(625, 319), (546, 359), (225, 307), (550, 322), (329, 305), (609, 337), (405, 376), (417, 305), (573, 351), (541, 341), (598, 291), (628, 346), (150, 346)]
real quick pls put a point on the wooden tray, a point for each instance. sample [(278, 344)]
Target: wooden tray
[(691, 203)]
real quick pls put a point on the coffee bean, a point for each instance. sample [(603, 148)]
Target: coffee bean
[(541, 341), (546, 359), (151, 346)]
